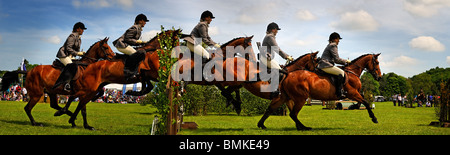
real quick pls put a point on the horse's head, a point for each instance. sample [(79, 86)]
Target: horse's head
[(245, 43), (307, 61), (100, 50), (374, 67)]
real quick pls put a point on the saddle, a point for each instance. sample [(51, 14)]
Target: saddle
[(333, 78), (57, 64)]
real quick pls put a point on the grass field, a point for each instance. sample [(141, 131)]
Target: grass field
[(133, 119)]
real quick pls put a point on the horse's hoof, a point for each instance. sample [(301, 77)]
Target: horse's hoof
[(58, 113), (89, 128), (38, 124), (374, 120), (262, 126), (304, 129)]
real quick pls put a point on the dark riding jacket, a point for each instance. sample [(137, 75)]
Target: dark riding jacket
[(330, 56), (201, 31), (269, 41), (71, 46), (129, 37)]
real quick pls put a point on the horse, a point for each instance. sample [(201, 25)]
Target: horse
[(307, 61), (42, 78), (243, 69), (300, 84), (149, 48), (104, 72)]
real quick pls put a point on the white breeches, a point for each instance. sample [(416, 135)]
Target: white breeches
[(67, 60), (128, 50), (198, 49), (334, 70), (272, 64)]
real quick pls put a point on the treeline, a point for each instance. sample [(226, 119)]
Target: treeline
[(207, 100), (392, 83)]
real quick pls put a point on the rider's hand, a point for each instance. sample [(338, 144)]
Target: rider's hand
[(81, 53), (290, 58), (348, 61), (139, 41)]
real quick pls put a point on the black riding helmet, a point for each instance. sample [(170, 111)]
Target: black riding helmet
[(78, 25), (207, 13), (141, 17), (334, 35), (272, 26)]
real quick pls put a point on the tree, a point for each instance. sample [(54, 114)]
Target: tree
[(369, 84), (422, 81)]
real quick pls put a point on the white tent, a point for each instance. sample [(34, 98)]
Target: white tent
[(120, 86)]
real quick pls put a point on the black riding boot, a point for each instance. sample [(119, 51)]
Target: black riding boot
[(339, 87), (66, 76), (132, 63), (277, 92)]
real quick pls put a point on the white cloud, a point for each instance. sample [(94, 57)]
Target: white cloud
[(356, 21), (262, 12), (448, 60), (401, 61), (52, 40), (424, 8), (103, 3), (126, 3), (427, 43), (147, 35), (305, 15)]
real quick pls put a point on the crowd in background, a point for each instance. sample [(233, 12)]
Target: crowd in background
[(14, 93), (18, 93)]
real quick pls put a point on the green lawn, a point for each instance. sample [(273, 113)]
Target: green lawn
[(133, 119), (108, 119)]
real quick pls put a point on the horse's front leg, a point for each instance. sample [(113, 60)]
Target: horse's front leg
[(353, 94), (85, 124), (65, 110)]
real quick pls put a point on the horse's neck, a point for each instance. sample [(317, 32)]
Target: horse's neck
[(299, 64), (358, 66), (89, 58)]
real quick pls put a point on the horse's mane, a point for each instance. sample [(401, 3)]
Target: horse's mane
[(354, 60), (293, 62), (93, 45), (224, 45)]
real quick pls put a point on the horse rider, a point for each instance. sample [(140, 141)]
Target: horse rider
[(201, 31), (130, 38), (272, 46), (66, 53), (330, 56)]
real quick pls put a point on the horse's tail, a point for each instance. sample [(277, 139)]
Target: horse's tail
[(9, 78)]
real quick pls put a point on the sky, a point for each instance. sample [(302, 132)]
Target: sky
[(411, 35)]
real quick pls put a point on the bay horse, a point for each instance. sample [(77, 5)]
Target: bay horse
[(103, 72), (307, 61), (301, 84), (148, 70), (42, 78), (243, 69)]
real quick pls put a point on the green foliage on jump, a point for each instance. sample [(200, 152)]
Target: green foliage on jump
[(161, 99)]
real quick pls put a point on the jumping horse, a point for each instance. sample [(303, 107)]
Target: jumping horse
[(242, 68), (42, 78), (103, 72), (300, 84)]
